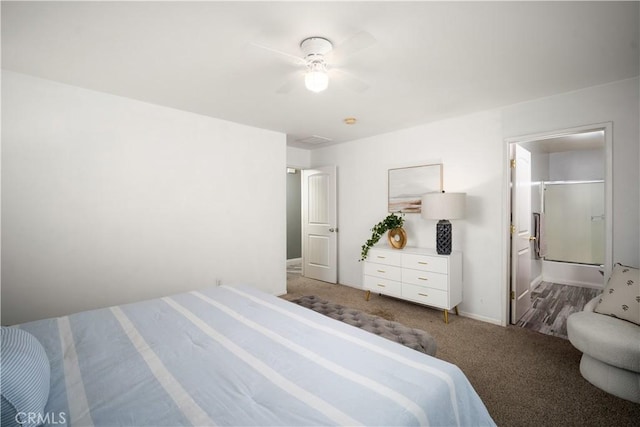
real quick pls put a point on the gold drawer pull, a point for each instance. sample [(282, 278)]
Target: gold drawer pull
[(422, 262), (423, 278), (381, 257), (381, 271), (423, 295), (381, 285)]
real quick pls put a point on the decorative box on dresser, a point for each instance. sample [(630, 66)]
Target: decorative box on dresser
[(416, 274)]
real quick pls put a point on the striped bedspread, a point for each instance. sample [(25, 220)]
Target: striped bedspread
[(237, 356)]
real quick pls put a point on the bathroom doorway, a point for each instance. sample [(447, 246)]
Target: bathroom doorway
[(570, 224)]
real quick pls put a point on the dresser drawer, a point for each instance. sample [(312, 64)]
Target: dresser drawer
[(385, 257), (428, 296), (383, 271), (382, 286), (426, 263), (425, 278)]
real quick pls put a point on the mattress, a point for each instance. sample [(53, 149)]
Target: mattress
[(232, 355)]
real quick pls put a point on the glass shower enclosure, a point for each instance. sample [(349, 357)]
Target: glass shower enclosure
[(574, 221)]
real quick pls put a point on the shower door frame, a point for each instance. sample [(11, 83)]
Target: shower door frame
[(545, 184)]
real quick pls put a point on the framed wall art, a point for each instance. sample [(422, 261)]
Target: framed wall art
[(407, 185)]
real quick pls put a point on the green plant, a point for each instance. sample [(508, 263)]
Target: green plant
[(389, 223)]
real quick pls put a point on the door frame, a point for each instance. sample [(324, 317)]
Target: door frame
[(607, 127)]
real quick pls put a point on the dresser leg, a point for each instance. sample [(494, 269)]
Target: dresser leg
[(446, 317), (367, 295), (456, 308)]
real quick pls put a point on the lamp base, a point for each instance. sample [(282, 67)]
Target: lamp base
[(443, 237)]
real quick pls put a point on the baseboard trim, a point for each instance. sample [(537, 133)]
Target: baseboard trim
[(294, 261), (496, 322), (535, 282)]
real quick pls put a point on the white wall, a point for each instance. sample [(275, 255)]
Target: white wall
[(539, 167), (618, 103), (108, 200), (470, 148), (298, 157), (473, 151), (577, 165)]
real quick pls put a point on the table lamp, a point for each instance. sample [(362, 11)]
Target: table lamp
[(443, 207)]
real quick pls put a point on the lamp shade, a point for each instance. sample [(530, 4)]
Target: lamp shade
[(443, 205)]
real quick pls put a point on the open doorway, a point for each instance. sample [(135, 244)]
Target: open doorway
[(312, 228), (560, 212), (294, 221)]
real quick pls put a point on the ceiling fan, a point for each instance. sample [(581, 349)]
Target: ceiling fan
[(317, 52)]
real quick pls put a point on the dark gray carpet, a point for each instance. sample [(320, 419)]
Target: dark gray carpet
[(525, 378)]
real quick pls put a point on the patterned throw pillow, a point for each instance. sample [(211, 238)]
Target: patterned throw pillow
[(621, 296), (25, 379)]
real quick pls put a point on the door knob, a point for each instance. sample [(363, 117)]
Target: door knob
[(331, 230)]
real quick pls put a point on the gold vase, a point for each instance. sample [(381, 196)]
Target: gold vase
[(397, 238)]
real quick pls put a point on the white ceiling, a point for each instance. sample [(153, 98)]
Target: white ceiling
[(591, 140), (431, 60)]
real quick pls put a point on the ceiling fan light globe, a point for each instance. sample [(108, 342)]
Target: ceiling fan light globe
[(316, 81)]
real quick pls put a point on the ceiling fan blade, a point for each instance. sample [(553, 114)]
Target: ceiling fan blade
[(357, 42), (349, 80), (286, 87), (293, 80), (296, 59)]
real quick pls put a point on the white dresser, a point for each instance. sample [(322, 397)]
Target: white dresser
[(416, 274)]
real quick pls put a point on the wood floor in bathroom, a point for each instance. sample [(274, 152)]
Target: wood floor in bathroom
[(552, 303)]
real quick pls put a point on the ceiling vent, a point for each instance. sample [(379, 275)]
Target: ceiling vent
[(314, 140)]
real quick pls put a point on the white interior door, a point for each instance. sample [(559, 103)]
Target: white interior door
[(520, 232), (319, 224)]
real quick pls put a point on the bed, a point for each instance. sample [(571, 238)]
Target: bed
[(233, 355)]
